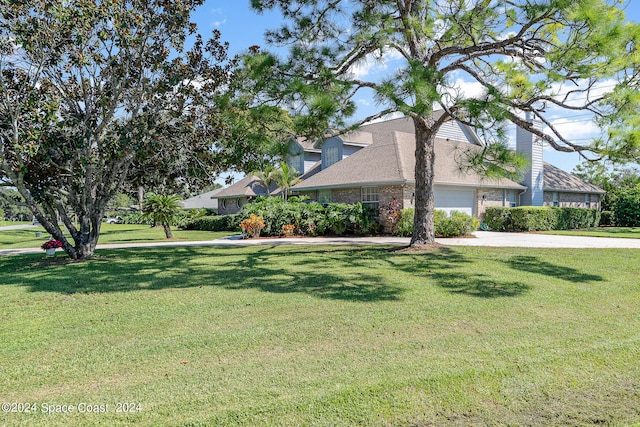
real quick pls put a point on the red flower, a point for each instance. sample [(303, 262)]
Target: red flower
[(51, 244)]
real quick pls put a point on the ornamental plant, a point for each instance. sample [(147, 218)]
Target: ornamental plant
[(252, 226), (51, 244), (288, 229)]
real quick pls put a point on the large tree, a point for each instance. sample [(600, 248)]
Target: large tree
[(528, 56), (96, 93)]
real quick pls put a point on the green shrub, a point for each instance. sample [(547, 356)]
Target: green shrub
[(626, 208), (311, 218), (187, 215), (532, 218), (134, 218), (214, 223), (404, 226), (606, 218), (455, 225), (498, 218), (536, 218)]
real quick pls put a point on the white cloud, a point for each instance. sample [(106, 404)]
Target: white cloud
[(374, 63), (390, 116)]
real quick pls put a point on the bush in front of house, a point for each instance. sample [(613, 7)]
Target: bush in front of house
[(498, 218), (540, 218), (454, 225), (572, 218), (214, 223), (404, 226), (534, 218), (310, 218)]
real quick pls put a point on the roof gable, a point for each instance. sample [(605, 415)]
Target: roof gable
[(392, 161), (555, 179)]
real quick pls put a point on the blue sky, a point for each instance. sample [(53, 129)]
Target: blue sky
[(242, 27)]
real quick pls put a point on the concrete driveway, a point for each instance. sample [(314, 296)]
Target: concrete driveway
[(482, 238)]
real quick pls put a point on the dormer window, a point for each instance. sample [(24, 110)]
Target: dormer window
[(332, 156), (297, 162)]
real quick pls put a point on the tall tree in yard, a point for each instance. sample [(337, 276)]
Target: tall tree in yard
[(96, 93), (526, 56)]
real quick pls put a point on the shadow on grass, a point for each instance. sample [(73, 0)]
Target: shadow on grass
[(540, 266), (339, 275), (455, 273), (362, 274)]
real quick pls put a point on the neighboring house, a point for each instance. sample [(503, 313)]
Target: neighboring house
[(375, 165), (232, 198), (208, 200)]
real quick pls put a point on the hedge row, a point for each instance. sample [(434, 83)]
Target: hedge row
[(308, 219), (453, 225), (214, 223), (311, 218), (537, 218)]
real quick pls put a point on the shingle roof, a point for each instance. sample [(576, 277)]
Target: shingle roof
[(207, 200), (391, 160), (556, 179), (246, 187)]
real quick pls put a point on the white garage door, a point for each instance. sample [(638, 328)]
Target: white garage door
[(455, 199)]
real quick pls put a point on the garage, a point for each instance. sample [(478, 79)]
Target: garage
[(455, 199)]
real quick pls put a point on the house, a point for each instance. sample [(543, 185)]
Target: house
[(208, 200), (375, 165)]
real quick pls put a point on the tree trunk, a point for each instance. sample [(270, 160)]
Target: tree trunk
[(167, 230), (423, 225), (140, 197)]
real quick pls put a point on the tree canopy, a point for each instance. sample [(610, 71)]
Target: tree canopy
[(528, 57), (98, 93)]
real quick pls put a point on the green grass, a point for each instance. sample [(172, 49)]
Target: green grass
[(623, 232), (330, 336), (109, 233)]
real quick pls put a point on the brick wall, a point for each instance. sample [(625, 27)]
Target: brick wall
[(571, 200), (486, 198)]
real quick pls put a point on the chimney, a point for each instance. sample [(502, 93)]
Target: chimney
[(530, 146)]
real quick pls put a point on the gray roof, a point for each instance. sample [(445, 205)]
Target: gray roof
[(206, 200), (247, 187), (391, 160), (555, 179)]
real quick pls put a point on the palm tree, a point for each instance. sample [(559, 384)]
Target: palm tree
[(265, 177), (286, 177), (162, 209)]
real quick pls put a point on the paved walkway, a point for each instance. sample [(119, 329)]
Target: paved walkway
[(482, 238)]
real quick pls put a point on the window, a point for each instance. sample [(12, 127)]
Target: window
[(370, 197), (223, 204), (238, 203), (512, 199), (555, 199), (297, 162), (324, 196), (331, 156), (587, 200)]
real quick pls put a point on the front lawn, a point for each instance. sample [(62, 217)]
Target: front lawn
[(623, 232), (310, 335), (109, 233)]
